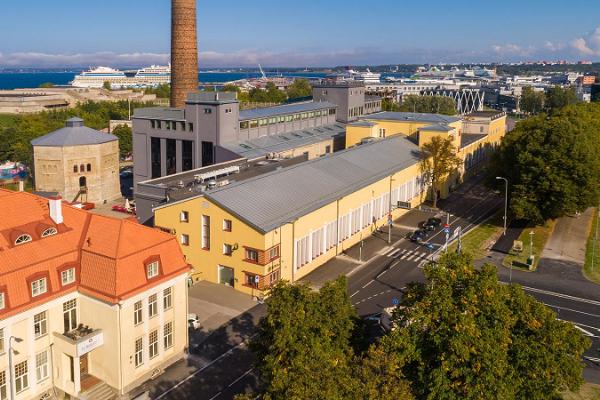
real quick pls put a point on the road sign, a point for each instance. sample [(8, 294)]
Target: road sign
[(446, 231), (390, 222), (395, 301)]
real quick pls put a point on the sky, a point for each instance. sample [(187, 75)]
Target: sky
[(307, 33)]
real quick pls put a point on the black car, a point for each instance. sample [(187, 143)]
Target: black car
[(418, 236), (432, 224)]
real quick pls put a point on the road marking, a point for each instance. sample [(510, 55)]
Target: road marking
[(586, 333), (387, 251), (593, 359), (355, 293), (412, 256), (394, 264), (393, 253), (232, 383), (228, 352), (587, 326), (381, 274), (399, 254), (571, 310), (563, 296), (404, 255), (371, 281)]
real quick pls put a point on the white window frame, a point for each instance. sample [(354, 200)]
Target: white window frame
[(184, 239), (39, 287), (138, 352), (3, 386), (2, 301), (22, 239), (168, 298), (41, 366), (41, 325), (67, 276), (152, 269), (138, 314), (168, 335), (21, 380), (153, 305), (153, 344), (184, 216)]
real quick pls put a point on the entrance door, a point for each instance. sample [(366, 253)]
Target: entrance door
[(83, 365), (226, 276), (82, 182)]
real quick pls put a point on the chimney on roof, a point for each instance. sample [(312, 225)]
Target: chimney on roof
[(74, 122), (55, 205), (184, 51)]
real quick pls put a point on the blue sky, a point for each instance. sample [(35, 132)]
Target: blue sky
[(301, 33)]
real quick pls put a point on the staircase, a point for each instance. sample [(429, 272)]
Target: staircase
[(101, 391)]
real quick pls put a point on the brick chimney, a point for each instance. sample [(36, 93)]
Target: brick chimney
[(55, 205), (184, 51)]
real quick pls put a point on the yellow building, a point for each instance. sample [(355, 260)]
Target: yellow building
[(286, 223)]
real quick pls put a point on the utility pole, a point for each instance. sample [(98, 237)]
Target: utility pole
[(11, 367)]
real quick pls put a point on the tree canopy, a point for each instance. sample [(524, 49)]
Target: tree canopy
[(438, 160), (300, 88), (532, 101), (123, 132), (552, 163), (428, 104)]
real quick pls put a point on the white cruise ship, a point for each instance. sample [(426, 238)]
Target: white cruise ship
[(349, 74), (146, 77)]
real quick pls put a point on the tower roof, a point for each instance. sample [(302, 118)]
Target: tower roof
[(73, 134)]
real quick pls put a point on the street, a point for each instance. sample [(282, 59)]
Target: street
[(375, 285)]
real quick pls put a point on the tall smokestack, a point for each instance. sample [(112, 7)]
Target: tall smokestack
[(184, 51)]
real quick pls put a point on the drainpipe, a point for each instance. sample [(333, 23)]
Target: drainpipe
[(121, 386)]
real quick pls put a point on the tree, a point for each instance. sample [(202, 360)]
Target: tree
[(106, 85), (231, 88), (123, 132), (438, 160), (466, 336), (552, 163), (270, 94), (557, 98), (389, 105), (299, 88), (162, 91), (428, 104), (531, 101), (303, 343)]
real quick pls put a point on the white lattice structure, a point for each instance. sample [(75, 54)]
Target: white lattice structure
[(467, 100)]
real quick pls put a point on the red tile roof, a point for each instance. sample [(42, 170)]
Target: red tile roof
[(109, 255)]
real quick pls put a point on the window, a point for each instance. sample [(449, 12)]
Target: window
[(82, 168), (254, 124), (244, 125), (3, 394), (89, 167), (152, 270), (227, 250), (2, 301), (168, 335), (227, 225), (153, 306), (21, 381), (49, 232), (41, 366), (158, 124), (190, 127), (153, 344), (67, 276), (139, 352), (70, 315), (274, 253), (75, 169), (207, 111), (38, 287), (206, 232), (167, 298), (252, 255), (185, 239), (152, 124), (40, 325), (22, 239), (137, 313), (1, 344), (252, 280), (184, 216)]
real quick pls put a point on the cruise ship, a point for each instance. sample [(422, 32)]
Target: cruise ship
[(352, 75), (151, 76)]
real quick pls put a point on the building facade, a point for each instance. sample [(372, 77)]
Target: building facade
[(89, 305), (79, 163)]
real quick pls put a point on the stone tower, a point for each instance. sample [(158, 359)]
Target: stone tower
[(184, 51)]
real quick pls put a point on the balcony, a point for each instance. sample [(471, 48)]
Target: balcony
[(81, 340)]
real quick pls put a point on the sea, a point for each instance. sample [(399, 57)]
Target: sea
[(24, 80)]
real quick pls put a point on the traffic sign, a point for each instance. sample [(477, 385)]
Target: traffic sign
[(395, 301), (446, 230)]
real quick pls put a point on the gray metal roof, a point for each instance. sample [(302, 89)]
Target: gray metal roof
[(363, 123), (271, 200), (417, 117), (260, 147), (74, 134), (160, 113), (438, 127), (256, 113), (470, 138)]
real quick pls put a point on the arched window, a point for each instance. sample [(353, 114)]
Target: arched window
[(82, 168), (22, 239), (49, 232), (75, 169), (89, 167)]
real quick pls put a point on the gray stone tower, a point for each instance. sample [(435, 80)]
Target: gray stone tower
[(184, 51)]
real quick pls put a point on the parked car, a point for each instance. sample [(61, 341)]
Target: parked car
[(432, 224), (418, 236), (193, 321)]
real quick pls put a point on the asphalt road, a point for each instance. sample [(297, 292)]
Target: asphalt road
[(227, 365)]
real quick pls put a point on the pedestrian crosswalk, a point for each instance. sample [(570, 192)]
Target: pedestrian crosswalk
[(407, 255)]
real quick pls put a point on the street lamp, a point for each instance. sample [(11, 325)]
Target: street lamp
[(531, 243), (10, 364), (505, 200)]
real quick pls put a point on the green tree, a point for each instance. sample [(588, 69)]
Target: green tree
[(162, 91), (46, 85), (270, 94), (557, 98), (552, 163), (231, 88), (438, 161), (531, 101), (106, 85), (428, 104), (299, 88), (389, 105), (303, 343), (470, 337), (123, 132)]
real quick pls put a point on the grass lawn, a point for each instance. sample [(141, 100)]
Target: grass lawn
[(588, 391), (540, 237), (8, 120), (593, 274), (477, 241)]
